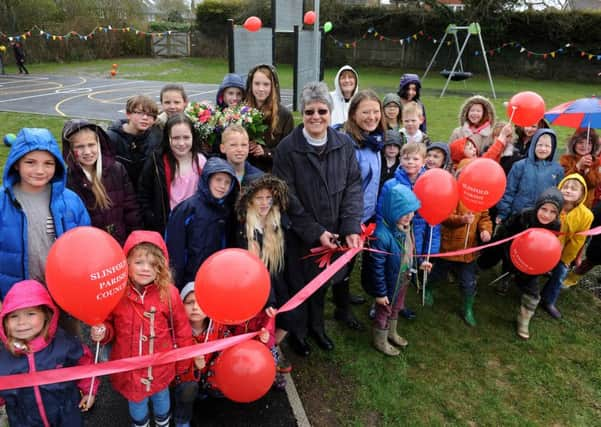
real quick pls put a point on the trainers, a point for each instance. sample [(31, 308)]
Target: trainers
[(280, 381)]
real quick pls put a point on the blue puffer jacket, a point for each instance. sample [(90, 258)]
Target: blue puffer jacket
[(529, 177), (382, 269), (370, 165), (67, 209), (421, 229), (200, 226)]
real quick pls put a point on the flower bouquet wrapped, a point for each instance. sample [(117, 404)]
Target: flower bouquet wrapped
[(249, 118), (204, 117)]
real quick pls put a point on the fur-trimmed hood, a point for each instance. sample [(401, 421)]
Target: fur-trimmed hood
[(477, 99), (278, 188)]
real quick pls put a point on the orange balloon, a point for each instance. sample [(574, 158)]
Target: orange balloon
[(113, 73), (253, 24), (115, 65), (536, 252), (529, 108), (245, 372), (436, 190), (309, 18), (232, 286), (86, 273), (481, 184)]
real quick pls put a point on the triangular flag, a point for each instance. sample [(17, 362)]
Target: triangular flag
[(552, 54)]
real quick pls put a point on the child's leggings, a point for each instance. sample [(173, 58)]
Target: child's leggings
[(385, 313), (139, 413)]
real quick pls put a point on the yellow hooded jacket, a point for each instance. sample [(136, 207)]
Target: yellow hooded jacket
[(578, 219)]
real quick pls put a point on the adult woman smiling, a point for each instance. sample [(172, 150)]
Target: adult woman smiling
[(326, 204)]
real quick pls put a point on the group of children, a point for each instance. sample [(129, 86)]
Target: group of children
[(149, 176)]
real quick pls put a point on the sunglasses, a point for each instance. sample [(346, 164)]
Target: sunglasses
[(321, 112)]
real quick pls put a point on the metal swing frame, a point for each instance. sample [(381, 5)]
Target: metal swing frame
[(472, 29)]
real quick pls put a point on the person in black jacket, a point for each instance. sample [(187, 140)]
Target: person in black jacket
[(326, 204)]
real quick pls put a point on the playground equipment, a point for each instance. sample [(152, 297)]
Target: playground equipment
[(457, 72)]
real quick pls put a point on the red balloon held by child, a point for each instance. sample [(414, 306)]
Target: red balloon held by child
[(86, 273), (232, 286), (309, 18), (245, 372), (535, 252), (436, 190), (253, 24), (481, 184), (526, 108)]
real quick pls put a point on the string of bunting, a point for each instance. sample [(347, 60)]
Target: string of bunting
[(37, 31), (421, 34)]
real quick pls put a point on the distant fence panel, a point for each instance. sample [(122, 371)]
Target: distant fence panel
[(171, 44)]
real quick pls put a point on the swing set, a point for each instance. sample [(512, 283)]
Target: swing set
[(457, 72)]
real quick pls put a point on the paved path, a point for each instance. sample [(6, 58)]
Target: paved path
[(87, 97)]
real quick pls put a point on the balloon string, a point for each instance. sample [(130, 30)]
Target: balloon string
[(426, 271), (512, 113), (93, 378), (467, 234), (209, 330)]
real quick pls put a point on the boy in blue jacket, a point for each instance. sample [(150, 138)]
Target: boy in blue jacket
[(391, 274), (201, 225), (35, 207)]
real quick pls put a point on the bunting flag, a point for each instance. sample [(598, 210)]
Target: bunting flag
[(77, 35)]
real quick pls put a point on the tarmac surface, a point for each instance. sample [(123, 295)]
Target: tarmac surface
[(88, 97)]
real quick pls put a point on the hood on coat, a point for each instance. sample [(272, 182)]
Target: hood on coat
[(34, 139), (406, 80), (275, 90), (477, 99), (534, 140), (444, 147), (550, 195), (145, 236), (212, 166), (391, 98), (230, 80), (398, 202), (25, 294), (337, 89), (75, 125), (581, 180), (457, 149), (582, 133), (277, 187)]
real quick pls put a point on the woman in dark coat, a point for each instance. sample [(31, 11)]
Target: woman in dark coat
[(102, 182), (326, 204)]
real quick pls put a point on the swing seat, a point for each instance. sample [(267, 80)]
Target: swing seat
[(456, 76)]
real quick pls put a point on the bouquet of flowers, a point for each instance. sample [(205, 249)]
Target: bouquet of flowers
[(204, 117), (249, 118)]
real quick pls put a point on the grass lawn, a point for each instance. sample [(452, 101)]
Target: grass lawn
[(450, 374)]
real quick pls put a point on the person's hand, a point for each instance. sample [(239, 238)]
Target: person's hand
[(426, 266), (507, 131), (485, 236), (199, 362), (97, 332), (498, 220), (264, 336), (382, 300), (353, 241), (83, 403), (467, 218), (585, 162), (256, 149), (328, 240), (270, 312)]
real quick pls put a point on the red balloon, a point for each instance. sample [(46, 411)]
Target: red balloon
[(86, 273), (437, 191), (245, 372), (535, 252), (232, 286), (529, 108), (309, 18), (481, 184), (253, 24)]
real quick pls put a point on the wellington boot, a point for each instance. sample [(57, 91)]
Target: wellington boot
[(468, 310), (381, 343), (523, 322), (394, 337), (429, 297)]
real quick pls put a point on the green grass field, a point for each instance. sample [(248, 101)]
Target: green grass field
[(450, 374)]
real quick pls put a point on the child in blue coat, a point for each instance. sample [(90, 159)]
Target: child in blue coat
[(529, 177), (35, 207), (390, 274)]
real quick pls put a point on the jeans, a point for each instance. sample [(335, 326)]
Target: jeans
[(553, 286), (138, 411), (465, 271), (183, 405)]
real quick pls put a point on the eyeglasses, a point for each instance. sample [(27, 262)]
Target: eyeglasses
[(144, 113), (321, 112)]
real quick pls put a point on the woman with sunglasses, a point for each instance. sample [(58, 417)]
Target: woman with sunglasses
[(326, 203), (263, 93)]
